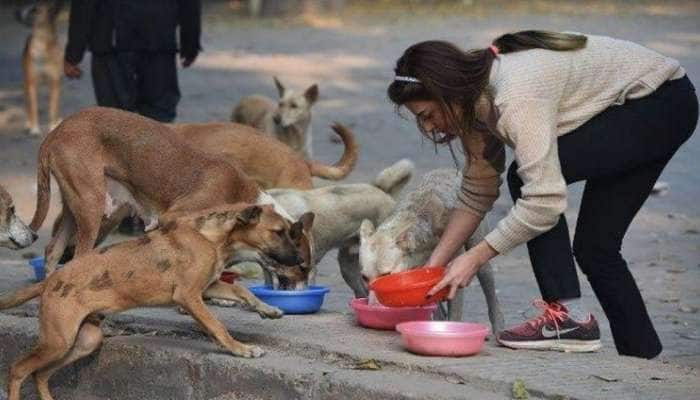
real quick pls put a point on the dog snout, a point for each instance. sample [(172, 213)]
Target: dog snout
[(277, 119), (34, 236)]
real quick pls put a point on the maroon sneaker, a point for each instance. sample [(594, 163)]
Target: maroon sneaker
[(553, 330)]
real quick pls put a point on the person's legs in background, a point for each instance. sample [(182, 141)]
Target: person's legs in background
[(159, 92), (110, 82)]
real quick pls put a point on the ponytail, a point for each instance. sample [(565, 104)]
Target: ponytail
[(525, 40)]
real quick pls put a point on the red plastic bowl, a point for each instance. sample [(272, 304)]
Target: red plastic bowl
[(228, 277), (377, 316), (409, 288), (443, 338)]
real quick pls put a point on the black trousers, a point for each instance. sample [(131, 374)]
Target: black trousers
[(620, 153), (141, 82)]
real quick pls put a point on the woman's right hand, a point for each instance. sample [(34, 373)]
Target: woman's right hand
[(72, 71)]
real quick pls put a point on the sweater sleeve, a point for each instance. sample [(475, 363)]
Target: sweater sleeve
[(530, 126), (481, 176)]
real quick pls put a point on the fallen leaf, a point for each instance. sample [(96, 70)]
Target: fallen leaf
[(519, 390), (688, 309), (677, 270), (605, 378), (656, 378), (455, 380), (670, 299), (369, 364), (691, 232)]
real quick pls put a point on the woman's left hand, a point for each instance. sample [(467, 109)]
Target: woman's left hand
[(462, 269)]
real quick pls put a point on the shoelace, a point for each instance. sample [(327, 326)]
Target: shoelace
[(551, 312)]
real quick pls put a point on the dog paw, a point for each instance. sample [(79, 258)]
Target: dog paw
[(250, 352), (222, 302), (271, 312), (33, 131)]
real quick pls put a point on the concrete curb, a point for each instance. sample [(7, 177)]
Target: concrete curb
[(142, 367), (165, 356)]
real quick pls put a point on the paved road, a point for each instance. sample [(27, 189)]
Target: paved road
[(351, 59)]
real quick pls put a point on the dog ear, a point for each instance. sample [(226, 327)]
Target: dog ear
[(366, 229), (311, 94), (438, 213), (296, 231), (249, 216), (406, 240), (307, 221), (280, 87)]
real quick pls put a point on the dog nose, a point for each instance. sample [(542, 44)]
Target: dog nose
[(34, 236), (277, 119)]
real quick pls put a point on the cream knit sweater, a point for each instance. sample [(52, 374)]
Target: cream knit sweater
[(538, 95)]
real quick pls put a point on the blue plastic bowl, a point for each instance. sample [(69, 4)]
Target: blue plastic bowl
[(38, 264), (306, 301)]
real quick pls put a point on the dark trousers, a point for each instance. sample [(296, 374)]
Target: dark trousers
[(620, 153), (141, 82)]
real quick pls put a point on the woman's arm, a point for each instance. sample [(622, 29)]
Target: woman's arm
[(460, 227)]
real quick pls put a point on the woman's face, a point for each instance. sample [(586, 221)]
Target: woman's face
[(431, 119)]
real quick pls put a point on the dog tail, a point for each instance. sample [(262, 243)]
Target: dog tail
[(43, 189), (392, 179), (346, 164), (21, 296)]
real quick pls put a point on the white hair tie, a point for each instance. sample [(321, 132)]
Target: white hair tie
[(406, 79)]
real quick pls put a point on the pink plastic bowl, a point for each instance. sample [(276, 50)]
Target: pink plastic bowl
[(443, 338), (377, 316)]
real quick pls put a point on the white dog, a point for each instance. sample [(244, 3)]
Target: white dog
[(407, 238), (288, 120)]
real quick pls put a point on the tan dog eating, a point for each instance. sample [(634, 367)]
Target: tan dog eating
[(176, 264), (104, 159)]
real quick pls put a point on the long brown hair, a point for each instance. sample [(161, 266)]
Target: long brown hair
[(456, 78)]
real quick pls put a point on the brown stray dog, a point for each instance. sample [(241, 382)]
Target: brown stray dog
[(271, 163), (42, 59), (173, 265), (104, 159)]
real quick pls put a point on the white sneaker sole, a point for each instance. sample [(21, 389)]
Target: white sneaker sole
[(566, 345)]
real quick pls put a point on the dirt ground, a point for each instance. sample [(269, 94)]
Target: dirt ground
[(350, 56)]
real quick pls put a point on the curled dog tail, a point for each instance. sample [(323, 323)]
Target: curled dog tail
[(345, 165), (21, 296), (392, 179), (43, 189)]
